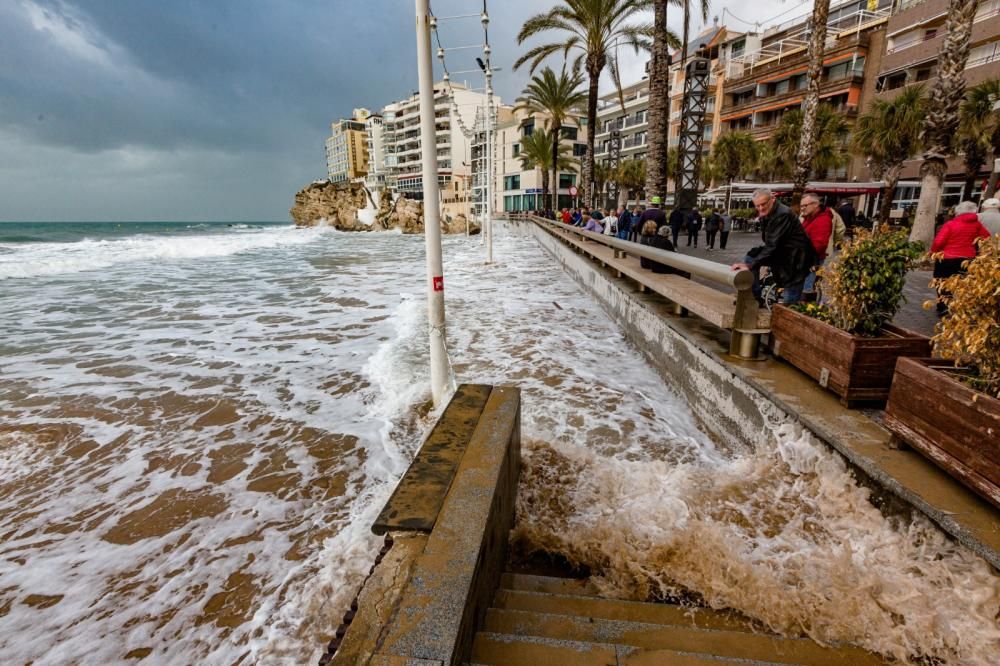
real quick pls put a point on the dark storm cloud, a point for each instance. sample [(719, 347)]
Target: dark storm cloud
[(169, 97)]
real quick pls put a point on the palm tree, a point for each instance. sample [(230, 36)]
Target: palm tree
[(602, 175), (592, 28), (827, 153), (817, 47), (888, 135), (630, 178), (536, 154), (659, 100), (942, 118), (978, 112), (766, 165), (559, 97), (733, 154)]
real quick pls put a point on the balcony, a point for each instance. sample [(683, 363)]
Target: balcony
[(788, 97)]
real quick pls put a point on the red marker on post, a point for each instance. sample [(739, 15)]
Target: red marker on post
[(438, 283)]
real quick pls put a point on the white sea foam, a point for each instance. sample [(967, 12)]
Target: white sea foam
[(279, 386), (41, 259)]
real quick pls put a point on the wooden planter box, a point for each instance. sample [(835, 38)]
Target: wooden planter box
[(856, 368), (951, 423)]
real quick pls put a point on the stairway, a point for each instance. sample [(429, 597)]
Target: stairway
[(540, 620)]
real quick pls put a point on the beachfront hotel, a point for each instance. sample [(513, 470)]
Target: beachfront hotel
[(347, 148)]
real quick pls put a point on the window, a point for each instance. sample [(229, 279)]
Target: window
[(579, 149), (838, 71), (512, 182), (781, 86), (922, 74), (566, 180), (515, 150), (930, 33), (528, 128), (568, 133)]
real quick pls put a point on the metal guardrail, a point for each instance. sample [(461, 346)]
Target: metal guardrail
[(709, 270), (745, 339)]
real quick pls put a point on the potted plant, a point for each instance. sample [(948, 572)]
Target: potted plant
[(846, 342), (949, 408)]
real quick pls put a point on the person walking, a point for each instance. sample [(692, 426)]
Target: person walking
[(817, 222), (635, 224), (956, 242), (694, 222), (712, 228), (787, 250), (678, 221), (989, 217), (725, 226)]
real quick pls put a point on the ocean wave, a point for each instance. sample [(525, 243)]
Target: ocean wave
[(43, 259)]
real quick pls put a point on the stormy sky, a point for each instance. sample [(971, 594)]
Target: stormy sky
[(216, 109)]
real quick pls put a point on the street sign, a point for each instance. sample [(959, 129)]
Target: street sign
[(573, 190)]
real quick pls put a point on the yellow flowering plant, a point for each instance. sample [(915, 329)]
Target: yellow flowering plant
[(970, 334)]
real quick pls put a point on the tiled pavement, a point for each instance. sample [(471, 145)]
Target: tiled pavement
[(912, 315)]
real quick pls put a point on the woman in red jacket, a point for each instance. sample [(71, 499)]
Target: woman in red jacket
[(956, 242), (818, 225)]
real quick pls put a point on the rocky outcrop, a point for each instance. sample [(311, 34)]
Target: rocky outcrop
[(337, 205)]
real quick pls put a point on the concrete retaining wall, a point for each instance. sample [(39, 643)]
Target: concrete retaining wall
[(736, 401)]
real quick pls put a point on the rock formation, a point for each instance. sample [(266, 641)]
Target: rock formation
[(337, 205)]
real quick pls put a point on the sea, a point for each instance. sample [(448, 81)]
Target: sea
[(200, 421)]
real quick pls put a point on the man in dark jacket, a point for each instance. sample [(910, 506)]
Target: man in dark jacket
[(787, 250), (654, 213), (693, 226), (678, 221)]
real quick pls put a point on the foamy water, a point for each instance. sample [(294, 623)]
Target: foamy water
[(197, 436)]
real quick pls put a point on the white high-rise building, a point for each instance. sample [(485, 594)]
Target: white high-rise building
[(375, 132), (401, 142)]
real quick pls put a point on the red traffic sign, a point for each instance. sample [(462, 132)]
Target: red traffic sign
[(573, 190)]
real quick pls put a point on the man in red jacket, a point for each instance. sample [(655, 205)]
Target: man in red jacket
[(956, 241), (818, 225)]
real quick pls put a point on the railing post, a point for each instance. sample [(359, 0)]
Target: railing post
[(744, 341)]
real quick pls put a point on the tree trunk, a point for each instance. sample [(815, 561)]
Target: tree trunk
[(729, 195), (807, 143), (991, 184), (659, 105), (931, 183), (588, 166), (888, 193), (941, 120), (556, 128)]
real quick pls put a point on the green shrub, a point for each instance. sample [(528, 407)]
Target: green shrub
[(863, 285), (970, 334)]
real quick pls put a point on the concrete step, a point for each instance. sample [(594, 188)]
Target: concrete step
[(581, 587), (506, 650), (615, 609), (718, 643)]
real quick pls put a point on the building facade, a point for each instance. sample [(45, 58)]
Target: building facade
[(347, 148), (374, 138), (453, 133), (517, 186), (914, 35), (766, 74)]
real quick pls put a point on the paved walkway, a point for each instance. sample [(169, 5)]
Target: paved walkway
[(912, 316)]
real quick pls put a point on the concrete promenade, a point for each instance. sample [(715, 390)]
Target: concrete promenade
[(912, 315)]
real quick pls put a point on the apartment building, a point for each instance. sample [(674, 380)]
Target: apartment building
[(632, 123), (518, 188), (347, 148), (401, 140), (374, 138), (914, 35), (766, 72)]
